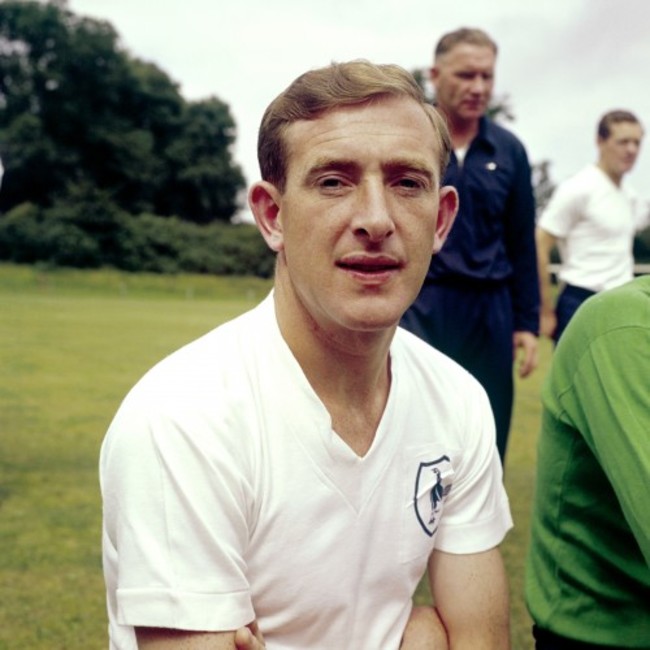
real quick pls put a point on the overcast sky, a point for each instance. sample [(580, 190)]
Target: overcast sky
[(562, 62)]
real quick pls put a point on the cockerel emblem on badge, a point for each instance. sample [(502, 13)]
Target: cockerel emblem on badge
[(430, 490)]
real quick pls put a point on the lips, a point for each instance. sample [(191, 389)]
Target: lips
[(369, 264)]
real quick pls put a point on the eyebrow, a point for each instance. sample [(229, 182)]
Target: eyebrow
[(393, 166), (332, 165), (410, 165)]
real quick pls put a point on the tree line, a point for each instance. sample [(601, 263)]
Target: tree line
[(107, 164)]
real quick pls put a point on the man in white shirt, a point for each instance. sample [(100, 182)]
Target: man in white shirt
[(592, 219), (288, 478)]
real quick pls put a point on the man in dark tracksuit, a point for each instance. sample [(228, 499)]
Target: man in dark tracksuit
[(480, 300)]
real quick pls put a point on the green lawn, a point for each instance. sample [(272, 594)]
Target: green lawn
[(71, 345), (520, 475)]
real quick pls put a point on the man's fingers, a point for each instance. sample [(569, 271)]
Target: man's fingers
[(249, 638)]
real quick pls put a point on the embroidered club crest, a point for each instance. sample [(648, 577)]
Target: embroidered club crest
[(430, 490)]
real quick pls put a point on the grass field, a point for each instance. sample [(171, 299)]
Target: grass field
[(71, 344)]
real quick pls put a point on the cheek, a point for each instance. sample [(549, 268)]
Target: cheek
[(421, 240), (303, 246)]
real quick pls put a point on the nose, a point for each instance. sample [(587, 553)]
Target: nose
[(373, 218), (479, 85)]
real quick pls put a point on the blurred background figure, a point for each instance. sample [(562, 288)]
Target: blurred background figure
[(592, 218), (481, 295)]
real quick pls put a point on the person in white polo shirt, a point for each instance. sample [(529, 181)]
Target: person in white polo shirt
[(592, 218), (286, 480)]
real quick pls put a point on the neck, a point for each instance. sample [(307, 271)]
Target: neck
[(349, 371), (462, 131), (614, 177)]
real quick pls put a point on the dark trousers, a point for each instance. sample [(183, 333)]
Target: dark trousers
[(568, 301), (545, 640), (473, 326)]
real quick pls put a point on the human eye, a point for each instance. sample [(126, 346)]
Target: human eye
[(331, 184), (409, 177), (331, 177), (411, 184)]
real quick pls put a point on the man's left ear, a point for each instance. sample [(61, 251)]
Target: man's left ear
[(447, 210), (264, 201)]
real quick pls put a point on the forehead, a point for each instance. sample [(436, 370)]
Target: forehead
[(391, 127), (625, 131), (467, 55)]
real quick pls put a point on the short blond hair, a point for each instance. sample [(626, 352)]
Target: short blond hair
[(334, 86), (464, 35)]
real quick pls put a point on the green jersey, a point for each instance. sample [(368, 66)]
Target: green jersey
[(588, 571)]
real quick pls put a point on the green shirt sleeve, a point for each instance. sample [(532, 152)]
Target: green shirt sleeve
[(608, 398)]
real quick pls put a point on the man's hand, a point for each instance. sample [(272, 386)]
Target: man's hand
[(424, 631), (547, 323), (249, 638), (245, 638), (526, 359)]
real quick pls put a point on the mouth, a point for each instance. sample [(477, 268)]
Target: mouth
[(369, 265)]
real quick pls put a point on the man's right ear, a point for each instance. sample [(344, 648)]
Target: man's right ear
[(264, 200)]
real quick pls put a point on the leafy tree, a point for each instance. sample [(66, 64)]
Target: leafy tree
[(201, 177), (542, 184), (75, 109), (63, 235)]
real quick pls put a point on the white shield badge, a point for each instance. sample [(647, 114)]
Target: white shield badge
[(431, 487)]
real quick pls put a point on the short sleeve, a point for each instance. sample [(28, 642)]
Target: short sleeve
[(176, 514), (477, 513)]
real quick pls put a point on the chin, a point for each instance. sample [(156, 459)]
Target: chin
[(376, 313), (367, 319), (377, 322)]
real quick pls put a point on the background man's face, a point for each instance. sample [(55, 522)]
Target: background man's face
[(463, 79), (619, 151)]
